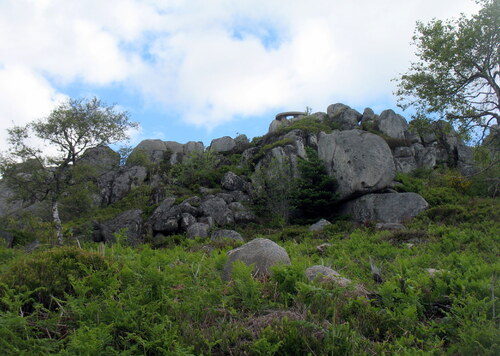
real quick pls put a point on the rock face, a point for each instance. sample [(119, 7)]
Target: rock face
[(262, 253), (386, 208), (360, 161)]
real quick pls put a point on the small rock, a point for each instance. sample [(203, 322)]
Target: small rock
[(433, 271), (323, 274), (320, 225), (198, 230), (262, 253), (226, 234), (323, 248)]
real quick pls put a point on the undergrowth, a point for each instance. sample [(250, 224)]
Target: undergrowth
[(437, 292)]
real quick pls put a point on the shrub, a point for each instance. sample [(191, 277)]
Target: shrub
[(48, 274), (314, 194)]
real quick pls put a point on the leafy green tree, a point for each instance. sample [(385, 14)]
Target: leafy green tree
[(457, 75), (314, 194), (70, 129)]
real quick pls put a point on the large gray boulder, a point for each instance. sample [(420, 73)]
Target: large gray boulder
[(261, 253), (392, 124), (218, 209), (101, 158), (198, 230), (223, 144), (242, 143), (232, 182), (368, 116), (128, 225), (165, 218), (319, 225), (242, 214), (153, 149), (125, 180), (226, 234), (386, 208), (404, 159), (360, 161), (425, 157), (346, 117), (278, 124)]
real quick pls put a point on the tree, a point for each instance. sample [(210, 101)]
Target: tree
[(70, 129), (314, 194), (457, 76)]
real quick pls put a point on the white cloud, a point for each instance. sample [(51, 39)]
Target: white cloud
[(209, 61)]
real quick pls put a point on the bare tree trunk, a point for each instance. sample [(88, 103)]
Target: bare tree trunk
[(57, 220)]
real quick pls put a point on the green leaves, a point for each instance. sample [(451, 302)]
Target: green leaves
[(457, 75)]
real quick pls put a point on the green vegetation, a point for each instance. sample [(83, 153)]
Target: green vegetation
[(170, 299), (314, 194), (70, 129)]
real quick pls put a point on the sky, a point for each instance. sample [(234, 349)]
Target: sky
[(201, 69)]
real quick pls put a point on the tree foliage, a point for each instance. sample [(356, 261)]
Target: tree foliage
[(74, 126), (315, 190), (457, 75)]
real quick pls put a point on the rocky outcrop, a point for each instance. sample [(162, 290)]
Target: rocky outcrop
[(386, 208), (158, 151), (128, 225), (261, 253), (360, 161)]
